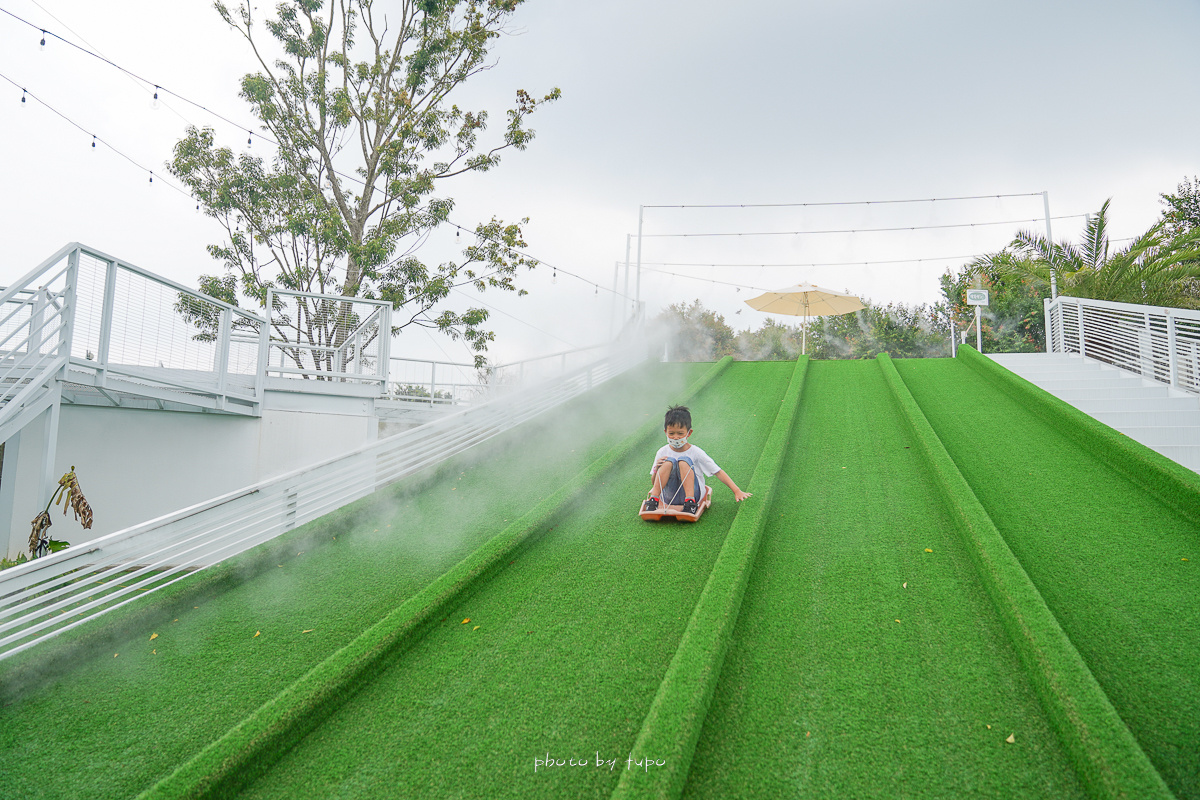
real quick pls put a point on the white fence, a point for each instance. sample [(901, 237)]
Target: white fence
[(1161, 344), (61, 591), (328, 338), (458, 383)]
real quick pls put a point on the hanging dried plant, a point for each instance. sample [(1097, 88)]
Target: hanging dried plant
[(74, 498), (69, 492), (39, 539)]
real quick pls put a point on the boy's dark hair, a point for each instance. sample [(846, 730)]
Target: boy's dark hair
[(678, 415)]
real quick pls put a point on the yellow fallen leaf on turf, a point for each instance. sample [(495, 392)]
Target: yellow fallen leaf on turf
[(475, 628), (153, 636), (1183, 559), (904, 585), (116, 654), (897, 622), (927, 550), (155, 652), (310, 630), (1012, 738), (989, 727), (256, 634), (465, 621)]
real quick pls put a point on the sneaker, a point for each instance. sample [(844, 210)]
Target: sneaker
[(650, 505), (689, 506)]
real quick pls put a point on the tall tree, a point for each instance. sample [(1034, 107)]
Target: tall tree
[(1182, 214), (358, 96), (695, 333)]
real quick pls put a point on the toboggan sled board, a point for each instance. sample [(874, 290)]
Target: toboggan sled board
[(676, 512)]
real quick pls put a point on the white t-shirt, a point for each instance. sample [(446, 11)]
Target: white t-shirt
[(701, 460)]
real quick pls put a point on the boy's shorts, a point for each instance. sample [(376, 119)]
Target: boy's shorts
[(673, 493)]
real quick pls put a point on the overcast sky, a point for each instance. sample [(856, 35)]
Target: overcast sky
[(664, 103)]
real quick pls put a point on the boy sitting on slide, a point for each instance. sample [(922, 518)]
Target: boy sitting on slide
[(680, 468)]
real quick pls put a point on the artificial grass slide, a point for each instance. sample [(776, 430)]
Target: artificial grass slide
[(564, 650), (672, 726), (867, 660), (106, 711), (1115, 564), (1173, 483), (1106, 756), (231, 762)]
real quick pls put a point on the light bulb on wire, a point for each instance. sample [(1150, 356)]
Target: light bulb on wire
[(42, 44), (154, 104), (554, 277), (249, 139), (22, 96), (93, 141)]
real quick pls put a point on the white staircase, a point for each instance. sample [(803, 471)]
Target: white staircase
[(1159, 416)]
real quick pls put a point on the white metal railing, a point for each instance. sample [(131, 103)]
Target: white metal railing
[(1161, 344), (327, 338), (459, 383), (56, 593), (36, 317), (445, 383)]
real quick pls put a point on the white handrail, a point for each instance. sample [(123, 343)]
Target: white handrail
[(1161, 344)]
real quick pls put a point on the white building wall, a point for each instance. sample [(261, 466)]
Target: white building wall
[(136, 465)]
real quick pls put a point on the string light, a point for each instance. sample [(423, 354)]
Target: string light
[(151, 176), (93, 141), (42, 44), (22, 95), (554, 277), (249, 139), (154, 104)]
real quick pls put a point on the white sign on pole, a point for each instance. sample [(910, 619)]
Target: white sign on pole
[(977, 297)]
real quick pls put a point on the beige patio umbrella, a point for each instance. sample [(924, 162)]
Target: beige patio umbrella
[(805, 300)]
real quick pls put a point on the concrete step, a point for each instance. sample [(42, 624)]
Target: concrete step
[(1051, 366), (1123, 420), (1164, 435), (1084, 381), (1094, 407), (1113, 393), (1183, 455)]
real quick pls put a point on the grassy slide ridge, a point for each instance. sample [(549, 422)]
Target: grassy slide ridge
[(139, 707), (1174, 484), (1108, 759), (868, 661), (675, 718), (247, 750)]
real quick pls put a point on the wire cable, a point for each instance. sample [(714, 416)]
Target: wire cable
[(95, 138), (847, 202), (858, 230)]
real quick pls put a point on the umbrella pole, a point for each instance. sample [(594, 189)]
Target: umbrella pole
[(804, 335)]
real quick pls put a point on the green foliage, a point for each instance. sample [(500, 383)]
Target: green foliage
[(695, 333), (1183, 208), (1014, 320), (900, 330), (21, 558), (1155, 268), (361, 106)]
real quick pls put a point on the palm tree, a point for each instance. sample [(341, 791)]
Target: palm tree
[(1155, 268)]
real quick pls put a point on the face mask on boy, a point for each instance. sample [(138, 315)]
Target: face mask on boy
[(677, 444)]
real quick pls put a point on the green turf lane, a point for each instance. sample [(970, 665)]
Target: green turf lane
[(1106, 556), (572, 641), (109, 719), (841, 682)]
